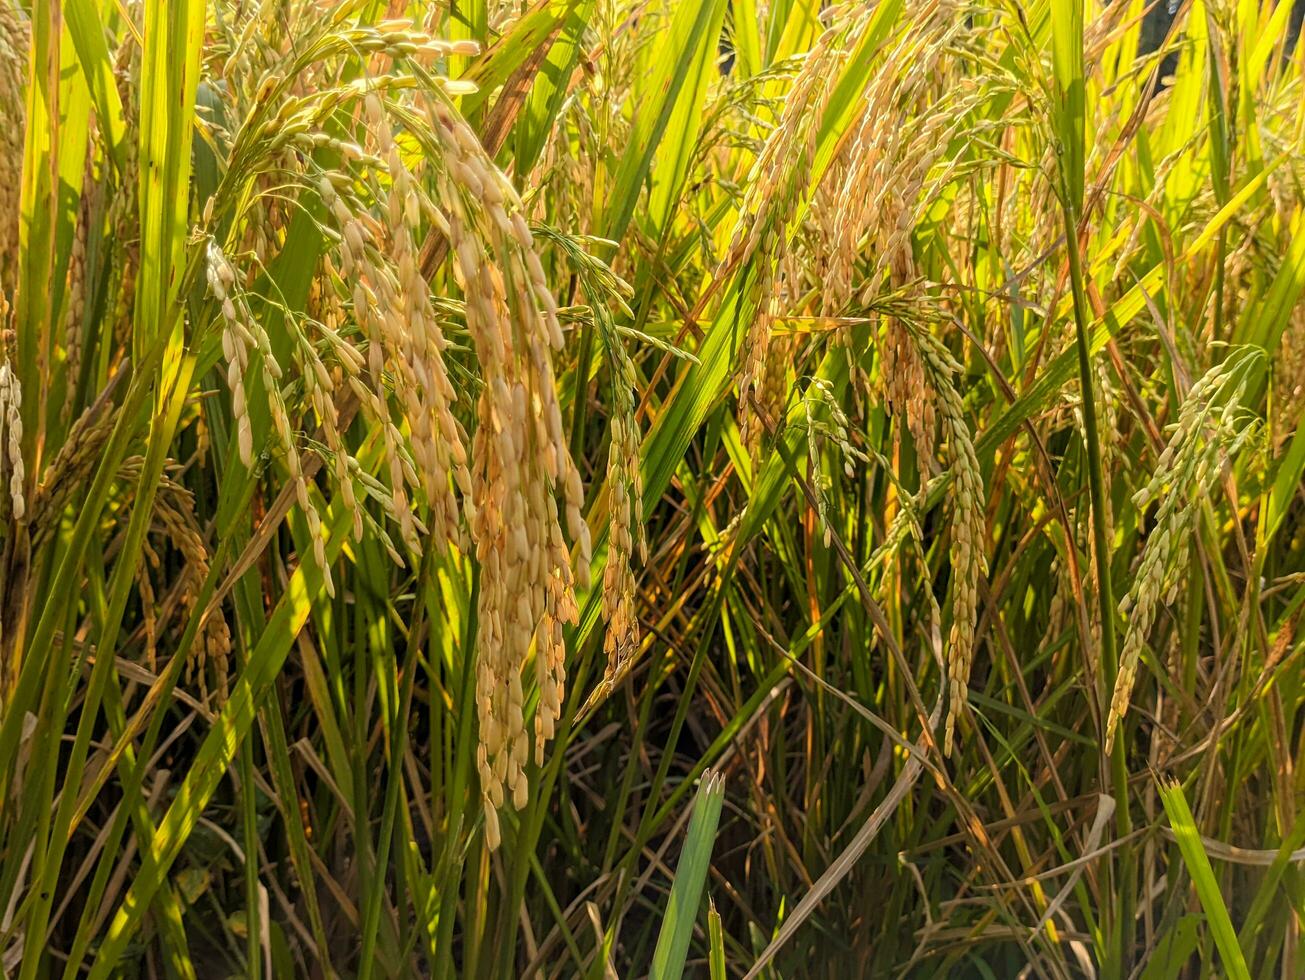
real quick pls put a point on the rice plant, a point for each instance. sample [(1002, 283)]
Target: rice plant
[(651, 488)]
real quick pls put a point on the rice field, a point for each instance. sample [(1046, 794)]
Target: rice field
[(652, 488)]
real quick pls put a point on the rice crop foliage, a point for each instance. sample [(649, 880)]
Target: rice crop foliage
[(590, 488)]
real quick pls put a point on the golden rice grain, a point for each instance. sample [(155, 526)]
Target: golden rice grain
[(519, 461)]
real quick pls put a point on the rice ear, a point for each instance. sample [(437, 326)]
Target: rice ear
[(14, 40)]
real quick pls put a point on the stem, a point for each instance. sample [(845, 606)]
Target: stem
[(1105, 590)]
